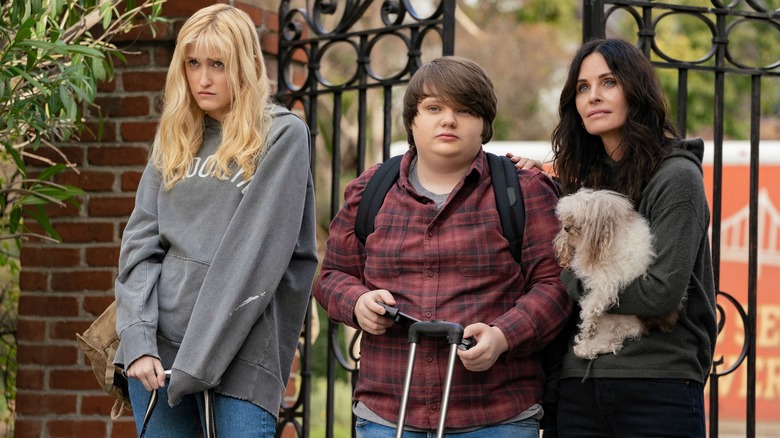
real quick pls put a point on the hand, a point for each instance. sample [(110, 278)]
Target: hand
[(524, 163), (149, 371), (491, 342), (369, 314)]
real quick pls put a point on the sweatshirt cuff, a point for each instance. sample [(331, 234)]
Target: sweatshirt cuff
[(138, 340)]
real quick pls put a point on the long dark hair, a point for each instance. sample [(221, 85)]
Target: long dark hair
[(648, 134)]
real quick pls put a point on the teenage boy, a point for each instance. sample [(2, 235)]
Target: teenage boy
[(438, 253)]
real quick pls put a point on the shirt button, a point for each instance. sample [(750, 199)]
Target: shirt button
[(429, 273), (429, 233), (429, 358), (428, 314), (434, 407)]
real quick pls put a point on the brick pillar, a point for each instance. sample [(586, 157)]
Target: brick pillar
[(65, 286)]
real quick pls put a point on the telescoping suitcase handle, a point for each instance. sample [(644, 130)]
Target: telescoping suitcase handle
[(439, 329)]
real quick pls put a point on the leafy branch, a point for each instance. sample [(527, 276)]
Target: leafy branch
[(53, 55)]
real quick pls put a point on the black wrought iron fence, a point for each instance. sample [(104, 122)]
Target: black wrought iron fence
[(361, 99), (350, 110), (721, 55)]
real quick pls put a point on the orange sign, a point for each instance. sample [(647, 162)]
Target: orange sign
[(732, 388)]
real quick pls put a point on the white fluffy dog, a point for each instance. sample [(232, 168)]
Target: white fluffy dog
[(607, 244)]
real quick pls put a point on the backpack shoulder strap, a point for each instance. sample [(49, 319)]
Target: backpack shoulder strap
[(509, 201), (374, 195)]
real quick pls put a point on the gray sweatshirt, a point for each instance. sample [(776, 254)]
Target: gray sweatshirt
[(674, 203), (215, 275)]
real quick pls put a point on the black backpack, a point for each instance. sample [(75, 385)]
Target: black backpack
[(506, 187)]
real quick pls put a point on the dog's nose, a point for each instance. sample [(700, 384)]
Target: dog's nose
[(567, 228)]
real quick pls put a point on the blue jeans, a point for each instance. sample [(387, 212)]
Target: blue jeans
[(631, 408), (521, 429), (233, 417)]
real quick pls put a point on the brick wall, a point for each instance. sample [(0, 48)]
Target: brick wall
[(65, 286)]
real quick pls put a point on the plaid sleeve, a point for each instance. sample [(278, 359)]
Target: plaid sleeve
[(340, 282), (541, 312)]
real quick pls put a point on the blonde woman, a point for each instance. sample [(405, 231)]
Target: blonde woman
[(219, 254)]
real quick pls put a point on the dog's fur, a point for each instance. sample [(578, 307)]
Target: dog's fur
[(607, 244)]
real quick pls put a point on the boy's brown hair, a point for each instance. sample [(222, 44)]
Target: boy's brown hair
[(456, 81)]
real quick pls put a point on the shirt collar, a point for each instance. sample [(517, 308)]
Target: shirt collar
[(477, 171)]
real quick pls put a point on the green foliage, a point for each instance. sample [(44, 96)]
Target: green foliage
[(342, 388), (342, 421), (50, 65), (319, 350), (559, 12), (525, 48), (686, 38), (9, 299)]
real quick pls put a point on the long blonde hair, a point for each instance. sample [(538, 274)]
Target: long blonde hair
[(229, 32)]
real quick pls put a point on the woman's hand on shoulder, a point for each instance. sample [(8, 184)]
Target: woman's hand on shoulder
[(525, 163)]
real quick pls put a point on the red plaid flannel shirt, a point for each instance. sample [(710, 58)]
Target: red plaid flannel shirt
[(453, 265)]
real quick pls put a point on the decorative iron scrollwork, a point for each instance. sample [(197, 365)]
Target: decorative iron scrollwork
[(724, 21), (323, 25), (721, 324), (360, 31)]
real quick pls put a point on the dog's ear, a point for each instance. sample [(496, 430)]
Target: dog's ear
[(598, 230), (607, 233), (564, 251)]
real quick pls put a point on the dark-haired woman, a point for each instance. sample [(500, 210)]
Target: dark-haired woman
[(614, 133)]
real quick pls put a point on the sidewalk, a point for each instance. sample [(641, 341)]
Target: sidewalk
[(736, 429)]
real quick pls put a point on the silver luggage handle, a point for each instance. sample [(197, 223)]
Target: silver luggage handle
[(441, 329)]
